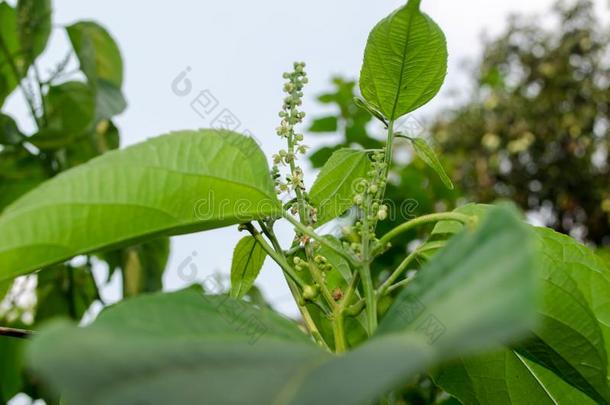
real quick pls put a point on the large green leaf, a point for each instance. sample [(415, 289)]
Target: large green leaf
[(189, 348), (569, 341), (333, 191), (178, 183), (504, 377), (34, 20), (248, 259), (405, 62), (461, 274)]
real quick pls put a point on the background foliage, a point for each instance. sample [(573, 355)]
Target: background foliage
[(72, 108)]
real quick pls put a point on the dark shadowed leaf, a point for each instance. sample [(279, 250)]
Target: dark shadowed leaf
[(566, 351), (34, 20), (9, 132), (9, 78), (189, 348)]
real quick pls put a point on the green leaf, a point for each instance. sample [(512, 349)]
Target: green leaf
[(587, 272), (186, 347), (319, 157), (101, 61), (10, 44), (179, 183), (504, 377), (5, 286), (426, 154), (109, 100), (325, 124), (405, 62), (34, 19), (473, 267), (568, 341), (70, 113), (11, 367), (104, 138), (248, 259), (64, 291), (99, 55), (9, 132), (143, 266), (19, 173), (333, 191)]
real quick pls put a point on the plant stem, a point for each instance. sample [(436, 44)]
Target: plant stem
[(351, 289), (307, 319), (369, 297), (424, 219), (296, 293), (387, 159), (280, 260), (368, 235), (15, 72), (41, 93), (396, 273), (322, 241), (339, 333), (401, 283)]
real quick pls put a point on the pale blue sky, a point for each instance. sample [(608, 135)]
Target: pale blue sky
[(238, 50)]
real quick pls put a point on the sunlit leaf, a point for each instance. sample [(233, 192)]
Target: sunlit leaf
[(426, 154), (248, 259), (334, 188), (405, 62), (178, 183)]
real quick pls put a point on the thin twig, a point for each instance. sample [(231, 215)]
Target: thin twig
[(16, 333)]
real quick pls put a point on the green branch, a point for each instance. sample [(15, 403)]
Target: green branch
[(322, 241), (424, 219)]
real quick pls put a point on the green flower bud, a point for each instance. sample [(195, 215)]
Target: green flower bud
[(310, 292)]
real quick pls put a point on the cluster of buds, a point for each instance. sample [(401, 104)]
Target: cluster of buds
[(367, 199), (291, 117), (320, 261)]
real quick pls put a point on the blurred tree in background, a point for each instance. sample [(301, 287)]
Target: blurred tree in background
[(536, 127), (71, 108)]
